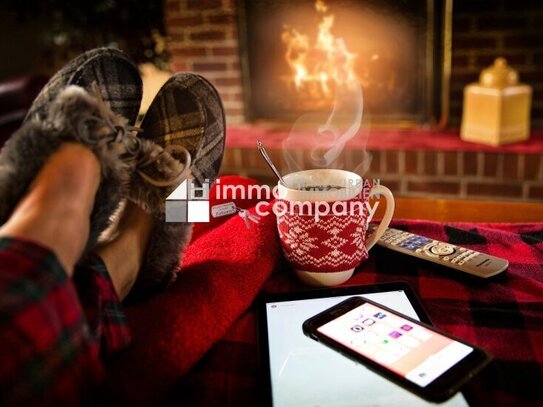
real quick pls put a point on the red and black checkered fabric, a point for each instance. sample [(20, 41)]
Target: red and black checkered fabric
[(54, 335), (503, 315), (51, 340)]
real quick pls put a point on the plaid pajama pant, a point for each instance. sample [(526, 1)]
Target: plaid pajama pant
[(55, 333)]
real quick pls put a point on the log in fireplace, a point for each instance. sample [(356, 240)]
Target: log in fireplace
[(296, 57)]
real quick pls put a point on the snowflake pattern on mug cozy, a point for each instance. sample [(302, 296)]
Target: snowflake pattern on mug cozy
[(328, 245), (299, 240)]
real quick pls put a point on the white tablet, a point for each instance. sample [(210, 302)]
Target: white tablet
[(298, 372)]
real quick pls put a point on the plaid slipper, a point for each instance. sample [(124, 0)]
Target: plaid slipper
[(187, 111), (117, 77), (74, 116), (186, 116)]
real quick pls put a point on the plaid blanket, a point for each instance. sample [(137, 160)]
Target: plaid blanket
[(196, 345), (503, 315)]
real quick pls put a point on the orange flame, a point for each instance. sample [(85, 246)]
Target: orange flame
[(318, 68)]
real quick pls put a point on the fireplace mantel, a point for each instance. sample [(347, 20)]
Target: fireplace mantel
[(385, 140)]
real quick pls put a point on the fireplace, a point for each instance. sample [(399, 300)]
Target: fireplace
[(298, 57), (204, 36)]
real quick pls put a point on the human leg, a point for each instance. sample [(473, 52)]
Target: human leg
[(110, 76), (124, 254), (51, 175), (56, 211), (75, 116)]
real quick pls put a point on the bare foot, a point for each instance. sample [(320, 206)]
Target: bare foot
[(123, 256), (56, 210)]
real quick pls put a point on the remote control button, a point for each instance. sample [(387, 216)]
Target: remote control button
[(461, 262), (442, 249), (446, 258), (472, 256), (430, 254), (455, 260)]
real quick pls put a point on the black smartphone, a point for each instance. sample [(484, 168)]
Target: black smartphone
[(420, 358)]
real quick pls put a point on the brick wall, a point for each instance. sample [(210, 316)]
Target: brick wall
[(204, 39), (485, 29), (480, 175), (438, 174)]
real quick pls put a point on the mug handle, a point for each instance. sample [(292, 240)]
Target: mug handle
[(387, 217)]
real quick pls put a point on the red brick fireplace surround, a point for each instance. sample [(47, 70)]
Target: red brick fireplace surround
[(204, 38)]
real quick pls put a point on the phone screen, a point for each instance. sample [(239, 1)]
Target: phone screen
[(408, 349)]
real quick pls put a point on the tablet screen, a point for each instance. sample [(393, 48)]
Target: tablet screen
[(306, 373)]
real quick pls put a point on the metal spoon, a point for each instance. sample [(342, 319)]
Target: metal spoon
[(269, 162)]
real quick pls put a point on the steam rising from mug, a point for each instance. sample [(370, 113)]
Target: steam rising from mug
[(328, 140)]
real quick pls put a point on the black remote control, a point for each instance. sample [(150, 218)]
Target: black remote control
[(446, 254)]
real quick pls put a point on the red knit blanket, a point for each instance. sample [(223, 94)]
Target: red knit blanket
[(196, 343)]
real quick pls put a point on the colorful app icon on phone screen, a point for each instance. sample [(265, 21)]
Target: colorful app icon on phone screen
[(394, 334)]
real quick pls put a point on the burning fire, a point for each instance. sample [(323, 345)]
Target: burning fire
[(320, 67)]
